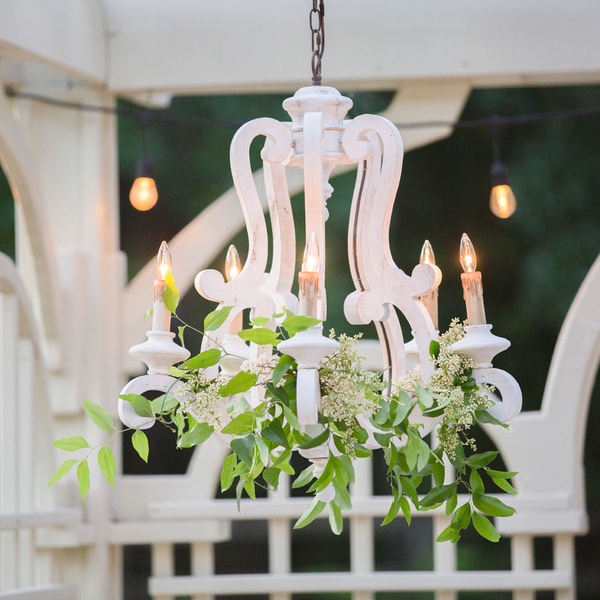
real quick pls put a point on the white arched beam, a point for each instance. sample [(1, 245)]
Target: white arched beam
[(547, 446), (205, 238), (20, 171)]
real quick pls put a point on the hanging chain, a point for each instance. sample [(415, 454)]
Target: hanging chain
[(317, 30)]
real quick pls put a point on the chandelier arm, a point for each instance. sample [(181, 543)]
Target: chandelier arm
[(509, 405), (244, 291), (314, 199), (281, 276)]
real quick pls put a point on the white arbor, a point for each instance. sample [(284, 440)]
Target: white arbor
[(68, 318)]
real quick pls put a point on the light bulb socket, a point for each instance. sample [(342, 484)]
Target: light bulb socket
[(144, 168), (498, 174)]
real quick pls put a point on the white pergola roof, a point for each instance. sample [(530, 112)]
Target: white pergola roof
[(194, 46)]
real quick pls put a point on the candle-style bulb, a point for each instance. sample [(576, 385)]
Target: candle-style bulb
[(233, 265), (163, 261), (502, 201), (311, 262), (427, 255), (468, 258)]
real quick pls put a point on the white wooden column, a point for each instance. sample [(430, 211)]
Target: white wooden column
[(9, 482), (522, 559), (163, 564), (280, 538), (564, 559), (362, 557)]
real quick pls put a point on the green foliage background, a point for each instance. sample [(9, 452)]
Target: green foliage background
[(532, 263)]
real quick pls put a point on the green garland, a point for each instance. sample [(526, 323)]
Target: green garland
[(264, 436)]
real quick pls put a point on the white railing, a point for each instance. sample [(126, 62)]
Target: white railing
[(27, 511)]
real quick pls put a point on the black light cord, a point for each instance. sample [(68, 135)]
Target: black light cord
[(147, 117)]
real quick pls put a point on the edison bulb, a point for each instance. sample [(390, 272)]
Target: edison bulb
[(163, 261), (502, 201), (143, 195), (468, 258), (427, 255), (233, 265), (311, 261)]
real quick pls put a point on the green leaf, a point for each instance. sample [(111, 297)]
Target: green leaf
[(71, 444), (227, 476), (241, 382), (476, 483), (483, 416), (424, 397), (438, 495), (424, 454), (271, 476), (492, 506), (324, 479), (408, 487), (405, 506), (411, 450), (283, 366), (274, 433), (349, 466), (304, 478), (342, 497), (83, 477), (451, 503), (336, 521), (249, 487), (171, 293), (462, 517), (243, 424), (485, 528), (316, 441), (260, 321), (434, 349), (448, 535), (438, 473), (243, 448), (106, 460), (195, 436), (341, 473), (290, 417), (239, 488), (139, 441), (501, 474), (62, 471), (164, 404), (297, 323), (477, 461), (261, 336), (392, 512), (216, 318), (205, 359), (147, 314), (504, 485), (403, 408), (315, 508), (98, 415), (140, 404), (263, 451), (180, 331)]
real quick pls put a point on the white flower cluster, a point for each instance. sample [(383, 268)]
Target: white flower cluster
[(263, 366), (451, 371), (346, 387), (200, 397)]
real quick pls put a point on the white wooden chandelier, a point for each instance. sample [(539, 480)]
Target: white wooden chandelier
[(317, 139)]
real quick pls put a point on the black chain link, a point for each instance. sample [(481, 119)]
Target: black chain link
[(317, 30)]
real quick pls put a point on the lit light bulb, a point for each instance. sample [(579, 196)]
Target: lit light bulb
[(502, 201), (163, 261), (311, 262), (427, 255), (468, 258), (233, 265), (144, 195)]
